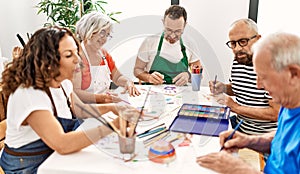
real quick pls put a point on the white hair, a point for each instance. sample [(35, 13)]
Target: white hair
[(284, 48), (91, 23)]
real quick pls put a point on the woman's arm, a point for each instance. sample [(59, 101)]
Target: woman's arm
[(88, 97), (81, 109), (51, 132), (119, 79)]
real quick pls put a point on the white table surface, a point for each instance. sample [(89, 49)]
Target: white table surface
[(92, 160)]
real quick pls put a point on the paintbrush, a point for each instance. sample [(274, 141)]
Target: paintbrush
[(132, 129), (100, 119)]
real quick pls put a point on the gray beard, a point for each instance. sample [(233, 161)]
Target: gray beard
[(245, 61)]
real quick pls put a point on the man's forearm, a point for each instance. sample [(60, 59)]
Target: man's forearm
[(270, 113), (261, 143), (228, 90), (144, 76)]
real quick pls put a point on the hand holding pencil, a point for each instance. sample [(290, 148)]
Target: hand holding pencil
[(156, 78), (216, 87), (233, 139)]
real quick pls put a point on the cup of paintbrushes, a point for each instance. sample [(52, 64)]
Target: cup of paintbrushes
[(127, 144), (128, 120)]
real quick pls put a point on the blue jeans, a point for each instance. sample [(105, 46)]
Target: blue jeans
[(24, 164), (29, 164)]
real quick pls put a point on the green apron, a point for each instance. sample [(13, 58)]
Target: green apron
[(167, 68)]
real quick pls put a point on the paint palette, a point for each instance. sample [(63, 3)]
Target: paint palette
[(203, 111), (201, 119)]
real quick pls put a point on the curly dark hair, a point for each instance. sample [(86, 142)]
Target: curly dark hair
[(175, 12), (39, 62)]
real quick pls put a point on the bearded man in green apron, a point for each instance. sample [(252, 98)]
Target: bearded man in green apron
[(165, 59)]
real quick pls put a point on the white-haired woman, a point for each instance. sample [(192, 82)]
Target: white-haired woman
[(93, 30)]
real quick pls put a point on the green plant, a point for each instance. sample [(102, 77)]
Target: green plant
[(66, 13)]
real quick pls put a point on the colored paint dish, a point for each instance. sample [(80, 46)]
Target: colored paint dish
[(162, 152)]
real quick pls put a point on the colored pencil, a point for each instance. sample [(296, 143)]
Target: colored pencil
[(151, 132), (160, 125)]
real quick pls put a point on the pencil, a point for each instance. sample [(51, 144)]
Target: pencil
[(155, 138), (232, 133), (215, 82)]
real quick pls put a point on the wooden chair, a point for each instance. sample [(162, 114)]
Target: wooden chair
[(253, 158), (3, 104), (262, 162)]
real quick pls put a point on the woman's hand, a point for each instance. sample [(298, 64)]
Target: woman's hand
[(132, 90), (108, 98)]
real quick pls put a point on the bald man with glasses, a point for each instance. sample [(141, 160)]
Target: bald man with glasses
[(251, 104)]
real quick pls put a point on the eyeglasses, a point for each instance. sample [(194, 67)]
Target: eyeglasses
[(242, 42), (176, 32), (103, 34)]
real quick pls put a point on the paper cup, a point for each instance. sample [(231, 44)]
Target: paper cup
[(196, 81)]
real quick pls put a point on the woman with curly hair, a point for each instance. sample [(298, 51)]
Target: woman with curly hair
[(41, 103)]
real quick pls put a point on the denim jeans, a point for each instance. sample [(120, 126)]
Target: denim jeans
[(12, 164)]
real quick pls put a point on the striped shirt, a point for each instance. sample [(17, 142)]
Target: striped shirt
[(243, 81)]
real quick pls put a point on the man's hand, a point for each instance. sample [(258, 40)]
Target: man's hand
[(227, 100), (239, 140), (216, 88), (181, 79), (225, 163), (156, 78)]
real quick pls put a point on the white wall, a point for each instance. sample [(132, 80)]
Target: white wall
[(278, 15), (208, 21), (17, 16)]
